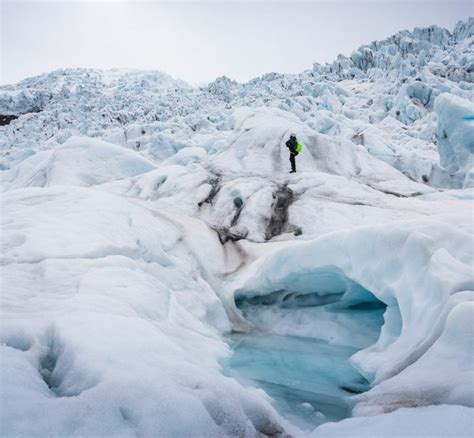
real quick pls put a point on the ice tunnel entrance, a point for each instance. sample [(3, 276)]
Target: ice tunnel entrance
[(300, 349)]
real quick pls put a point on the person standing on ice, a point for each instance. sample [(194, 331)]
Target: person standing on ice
[(295, 147)]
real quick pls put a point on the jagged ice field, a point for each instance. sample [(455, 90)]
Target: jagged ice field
[(162, 273)]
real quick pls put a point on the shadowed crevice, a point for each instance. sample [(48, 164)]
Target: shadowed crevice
[(5, 119)]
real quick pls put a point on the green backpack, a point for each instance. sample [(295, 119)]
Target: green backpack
[(299, 146)]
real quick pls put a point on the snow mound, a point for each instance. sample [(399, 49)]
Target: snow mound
[(102, 300), (80, 161)]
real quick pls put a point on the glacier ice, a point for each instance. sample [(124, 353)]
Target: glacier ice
[(78, 162), (372, 257), (145, 220), (309, 379), (109, 276)]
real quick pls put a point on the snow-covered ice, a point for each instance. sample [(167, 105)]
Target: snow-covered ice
[(98, 314), (78, 162), (431, 421), (144, 221)]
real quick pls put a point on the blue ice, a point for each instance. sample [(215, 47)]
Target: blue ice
[(309, 380)]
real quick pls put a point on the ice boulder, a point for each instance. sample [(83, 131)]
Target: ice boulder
[(80, 161), (413, 102), (455, 135), (25, 101), (223, 87)]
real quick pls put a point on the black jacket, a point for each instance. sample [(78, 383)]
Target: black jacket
[(291, 144)]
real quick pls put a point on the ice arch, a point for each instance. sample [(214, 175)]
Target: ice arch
[(420, 269), (322, 304)]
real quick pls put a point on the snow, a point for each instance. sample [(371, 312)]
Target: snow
[(452, 353), (78, 162), (144, 220), (432, 421), (146, 310)]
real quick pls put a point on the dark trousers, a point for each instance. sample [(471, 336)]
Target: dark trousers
[(293, 161)]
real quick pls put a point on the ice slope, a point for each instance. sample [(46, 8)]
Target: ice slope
[(137, 209), (432, 421), (260, 134), (244, 191), (108, 326), (80, 161)]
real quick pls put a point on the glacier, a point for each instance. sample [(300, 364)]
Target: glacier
[(163, 274)]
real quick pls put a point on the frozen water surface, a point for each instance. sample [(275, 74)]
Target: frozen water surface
[(295, 359), (310, 380)]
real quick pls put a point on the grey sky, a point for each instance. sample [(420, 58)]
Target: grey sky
[(198, 41)]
